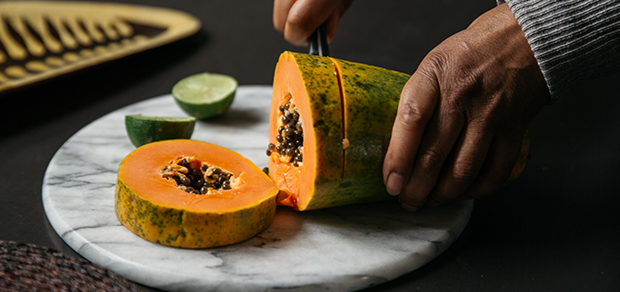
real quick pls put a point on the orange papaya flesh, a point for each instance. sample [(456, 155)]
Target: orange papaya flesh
[(337, 170), (154, 207), (346, 109)]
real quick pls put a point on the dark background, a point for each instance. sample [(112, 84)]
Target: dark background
[(553, 229)]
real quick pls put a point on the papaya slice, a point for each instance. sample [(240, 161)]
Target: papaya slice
[(307, 86), (343, 113), (192, 194)]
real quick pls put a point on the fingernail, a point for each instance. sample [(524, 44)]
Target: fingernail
[(394, 184)]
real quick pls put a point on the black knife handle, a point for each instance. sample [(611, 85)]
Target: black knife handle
[(318, 41)]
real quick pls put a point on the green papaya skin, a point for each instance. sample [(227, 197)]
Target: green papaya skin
[(349, 109), (370, 97)]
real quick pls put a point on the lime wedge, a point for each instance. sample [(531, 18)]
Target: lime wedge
[(143, 129), (205, 95)]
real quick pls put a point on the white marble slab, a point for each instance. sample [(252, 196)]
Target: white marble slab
[(339, 249)]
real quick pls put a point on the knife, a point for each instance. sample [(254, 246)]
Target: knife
[(318, 41)]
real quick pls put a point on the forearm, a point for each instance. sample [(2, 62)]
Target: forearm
[(573, 40)]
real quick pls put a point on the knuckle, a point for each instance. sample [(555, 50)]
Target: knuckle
[(411, 203), (436, 60), (412, 117), (430, 160), (457, 68), (464, 173), (299, 21)]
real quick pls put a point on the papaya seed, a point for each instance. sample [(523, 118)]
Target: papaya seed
[(290, 134), (195, 180)]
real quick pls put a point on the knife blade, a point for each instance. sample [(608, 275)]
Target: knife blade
[(318, 41)]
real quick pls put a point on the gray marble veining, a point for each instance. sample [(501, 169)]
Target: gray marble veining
[(339, 249)]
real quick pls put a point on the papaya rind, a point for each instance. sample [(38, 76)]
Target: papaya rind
[(522, 159), (190, 229), (155, 209), (322, 96), (370, 102)]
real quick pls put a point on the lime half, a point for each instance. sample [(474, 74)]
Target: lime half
[(144, 129), (205, 95)]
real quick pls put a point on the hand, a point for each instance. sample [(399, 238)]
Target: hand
[(463, 113), (298, 19)]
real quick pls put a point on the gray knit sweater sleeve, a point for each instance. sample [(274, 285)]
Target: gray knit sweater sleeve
[(573, 40)]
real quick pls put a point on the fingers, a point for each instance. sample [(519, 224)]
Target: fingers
[(418, 102), (501, 158), (298, 19), (280, 13), (439, 138), (456, 133), (462, 168)]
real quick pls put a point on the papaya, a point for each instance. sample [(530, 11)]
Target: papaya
[(192, 194), (330, 126), (524, 154), (342, 111)]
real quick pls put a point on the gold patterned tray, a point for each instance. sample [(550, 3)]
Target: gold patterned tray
[(43, 39)]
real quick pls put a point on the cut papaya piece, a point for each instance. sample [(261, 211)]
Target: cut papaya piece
[(370, 98), (146, 129), (343, 113), (340, 166), (192, 194), (306, 86)]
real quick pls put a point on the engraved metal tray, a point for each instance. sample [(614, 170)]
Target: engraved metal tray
[(43, 39)]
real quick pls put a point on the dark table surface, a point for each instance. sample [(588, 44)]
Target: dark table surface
[(554, 229)]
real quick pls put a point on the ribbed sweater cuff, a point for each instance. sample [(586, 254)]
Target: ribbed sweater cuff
[(572, 40)]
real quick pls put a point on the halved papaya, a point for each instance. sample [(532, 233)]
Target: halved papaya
[(192, 194), (306, 92), (330, 125), (343, 112)]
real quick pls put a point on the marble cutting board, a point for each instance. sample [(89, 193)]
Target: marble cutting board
[(338, 249)]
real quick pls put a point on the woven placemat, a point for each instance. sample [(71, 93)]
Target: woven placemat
[(29, 267)]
